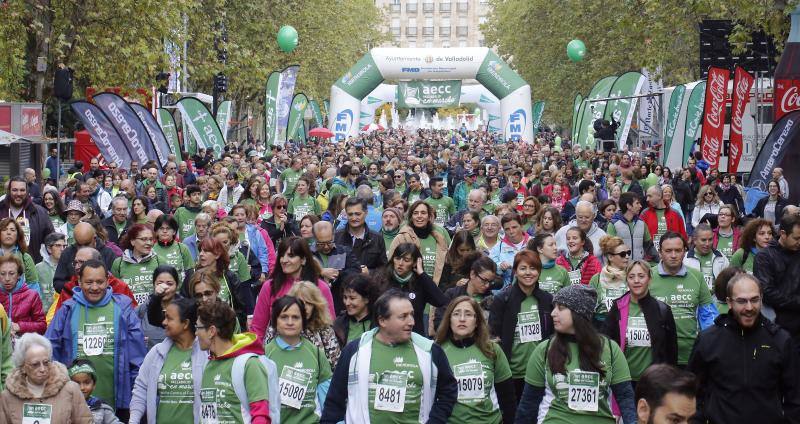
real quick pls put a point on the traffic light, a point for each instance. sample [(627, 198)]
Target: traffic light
[(221, 82)]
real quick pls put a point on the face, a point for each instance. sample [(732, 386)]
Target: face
[(138, 207), (725, 218), (491, 227), (203, 292), (527, 275), (9, 275), (173, 326), (390, 221), (469, 223), (703, 241), (666, 194), (85, 383), (463, 320), (37, 364), (48, 201), (791, 241), (619, 257), (169, 284), (290, 322), (773, 188), (291, 264), (306, 229), (562, 319), (354, 303), (166, 233), (240, 215), (674, 409), (745, 302), (547, 221), (143, 243), (584, 218), (513, 231), (94, 283), (638, 281), (653, 198), (672, 251), (420, 217), (355, 216), (609, 212), (403, 264), (8, 236), (398, 325), (574, 242), (763, 236), (302, 187), (475, 202)]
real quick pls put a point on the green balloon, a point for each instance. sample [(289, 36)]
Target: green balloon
[(287, 38), (576, 50)]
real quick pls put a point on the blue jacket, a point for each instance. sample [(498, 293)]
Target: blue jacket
[(129, 348), (374, 220), (191, 243), (258, 247)]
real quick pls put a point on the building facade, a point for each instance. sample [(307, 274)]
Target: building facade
[(435, 23)]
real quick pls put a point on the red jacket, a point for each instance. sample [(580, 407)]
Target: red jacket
[(589, 266), (24, 307), (117, 286), (734, 243), (674, 221)]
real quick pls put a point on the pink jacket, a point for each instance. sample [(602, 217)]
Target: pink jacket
[(263, 311), (24, 306)]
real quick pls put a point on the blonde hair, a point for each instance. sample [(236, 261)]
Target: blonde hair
[(701, 196), (309, 293), (609, 243)]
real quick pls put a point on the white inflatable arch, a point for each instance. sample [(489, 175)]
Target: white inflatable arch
[(478, 63)]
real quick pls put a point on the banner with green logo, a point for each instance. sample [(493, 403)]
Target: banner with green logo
[(271, 108), (497, 76), (428, 94), (576, 109), (593, 111), (297, 129), (627, 85), (361, 78), (188, 140), (694, 117), (538, 111), (316, 113), (673, 113), (201, 124), (224, 118), (167, 124), (285, 94)]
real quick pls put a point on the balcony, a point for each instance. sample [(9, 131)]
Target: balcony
[(444, 31), (445, 7), (463, 6), (411, 31), (428, 7), (427, 31), (462, 31), (411, 8)]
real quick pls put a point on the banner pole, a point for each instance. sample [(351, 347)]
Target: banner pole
[(58, 147)]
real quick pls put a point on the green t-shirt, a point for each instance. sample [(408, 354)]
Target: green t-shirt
[(302, 206), (356, 328), (738, 260), (139, 277), (684, 295), (413, 196), (96, 343), (177, 255), (289, 179), (239, 266), (56, 221), (300, 371), (527, 335), (725, 245), (476, 375), (638, 349), (428, 250), (706, 268), (120, 226), (580, 397), (606, 295), (217, 395), (396, 395), (185, 219), (444, 207), (553, 279), (176, 387)]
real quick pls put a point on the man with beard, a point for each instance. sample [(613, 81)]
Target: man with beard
[(33, 218), (745, 364), (665, 395)]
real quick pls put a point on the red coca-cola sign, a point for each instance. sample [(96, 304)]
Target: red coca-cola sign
[(742, 83), (714, 115), (787, 97)]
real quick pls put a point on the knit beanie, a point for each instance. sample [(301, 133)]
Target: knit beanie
[(396, 212), (580, 299)]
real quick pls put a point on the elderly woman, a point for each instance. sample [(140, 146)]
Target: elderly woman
[(39, 388)]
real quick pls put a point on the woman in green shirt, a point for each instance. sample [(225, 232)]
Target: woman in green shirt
[(168, 248), (553, 277), (485, 388), (135, 267), (578, 368), (55, 208), (756, 235), (139, 209), (359, 295), (302, 204)]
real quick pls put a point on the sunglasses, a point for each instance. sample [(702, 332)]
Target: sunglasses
[(623, 254)]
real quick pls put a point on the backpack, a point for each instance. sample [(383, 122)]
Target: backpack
[(237, 375)]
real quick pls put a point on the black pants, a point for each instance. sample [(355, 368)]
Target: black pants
[(519, 385)]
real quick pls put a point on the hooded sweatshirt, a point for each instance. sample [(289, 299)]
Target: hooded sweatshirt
[(24, 306)]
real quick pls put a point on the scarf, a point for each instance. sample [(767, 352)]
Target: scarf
[(475, 231), (611, 275), (549, 264), (424, 232), (402, 280), (390, 233)]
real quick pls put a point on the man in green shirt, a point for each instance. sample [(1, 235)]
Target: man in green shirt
[(703, 257), (442, 204), (186, 214), (288, 178), (684, 290), (391, 375)]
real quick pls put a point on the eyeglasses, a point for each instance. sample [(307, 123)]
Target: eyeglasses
[(485, 281), (463, 314), (204, 294), (743, 302), (325, 243), (709, 194), (279, 207), (623, 254), (35, 365), (724, 214)]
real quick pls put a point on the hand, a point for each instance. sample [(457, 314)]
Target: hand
[(262, 278), (505, 265), (330, 274), (160, 289), (462, 282), (419, 268)]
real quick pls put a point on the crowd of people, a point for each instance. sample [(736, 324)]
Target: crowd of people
[(399, 276)]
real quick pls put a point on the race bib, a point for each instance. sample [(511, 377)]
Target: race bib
[(26, 229), (574, 277), (141, 297), (637, 333), (390, 392), (529, 328), (208, 406), (709, 279), (470, 380), (520, 199), (584, 390), (293, 385), (612, 294), (36, 413), (94, 339)]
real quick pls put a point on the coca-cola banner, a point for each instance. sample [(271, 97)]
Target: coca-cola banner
[(787, 97), (778, 142), (714, 115), (742, 83)]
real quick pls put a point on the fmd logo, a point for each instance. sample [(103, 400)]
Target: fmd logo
[(409, 70), (344, 120), (516, 124)]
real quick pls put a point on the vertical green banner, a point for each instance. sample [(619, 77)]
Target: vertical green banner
[(577, 104), (538, 111), (316, 113), (224, 118), (673, 113), (694, 116), (167, 124), (296, 128), (201, 124), (327, 105), (271, 108), (627, 85), (593, 110)]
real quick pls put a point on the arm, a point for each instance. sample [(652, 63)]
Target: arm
[(326, 293), (765, 272), (699, 368), (138, 405), (507, 400), (136, 348), (5, 347), (528, 409), (623, 394), (446, 388), (262, 311), (64, 271), (706, 314), (435, 297)]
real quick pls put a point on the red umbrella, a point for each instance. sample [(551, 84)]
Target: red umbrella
[(372, 127), (321, 132)]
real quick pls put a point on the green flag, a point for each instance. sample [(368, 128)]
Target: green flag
[(271, 108), (694, 116), (296, 128), (316, 113), (188, 140), (167, 124), (201, 124), (576, 109), (593, 111), (224, 118), (673, 113), (538, 111)]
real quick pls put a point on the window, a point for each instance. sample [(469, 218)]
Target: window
[(411, 6), (482, 20), (395, 5), (428, 29), (463, 6), (412, 22), (462, 31), (482, 42), (428, 7), (445, 6), (429, 22), (444, 31), (411, 30), (396, 26), (462, 43), (396, 32)]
